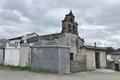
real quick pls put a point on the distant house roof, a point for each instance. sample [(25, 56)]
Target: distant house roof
[(95, 48), (115, 53), (16, 38), (29, 39), (33, 39), (20, 37), (81, 39), (32, 33)]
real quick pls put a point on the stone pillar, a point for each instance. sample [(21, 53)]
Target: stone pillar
[(25, 52)]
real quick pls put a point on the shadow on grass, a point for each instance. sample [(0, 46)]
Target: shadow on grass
[(18, 68)]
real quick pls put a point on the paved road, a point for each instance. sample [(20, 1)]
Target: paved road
[(21, 75)]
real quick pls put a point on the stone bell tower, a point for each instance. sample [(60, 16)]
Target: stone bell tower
[(69, 25)]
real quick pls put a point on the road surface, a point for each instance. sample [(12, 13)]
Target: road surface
[(24, 75)]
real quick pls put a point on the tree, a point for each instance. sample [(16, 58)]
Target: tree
[(110, 50), (3, 42)]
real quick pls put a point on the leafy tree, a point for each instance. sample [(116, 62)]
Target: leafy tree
[(110, 50)]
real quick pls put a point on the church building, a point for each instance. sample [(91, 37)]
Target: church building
[(81, 57), (69, 35)]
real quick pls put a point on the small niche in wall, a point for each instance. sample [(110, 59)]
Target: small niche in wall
[(71, 56)]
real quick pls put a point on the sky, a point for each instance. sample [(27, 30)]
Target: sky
[(99, 20)]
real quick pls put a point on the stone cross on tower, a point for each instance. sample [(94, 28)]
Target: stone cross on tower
[(69, 25)]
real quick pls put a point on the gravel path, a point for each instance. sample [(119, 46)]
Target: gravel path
[(23, 75)]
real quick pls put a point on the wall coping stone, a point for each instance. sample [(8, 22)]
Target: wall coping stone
[(49, 46)]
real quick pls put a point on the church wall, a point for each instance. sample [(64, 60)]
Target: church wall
[(71, 39), (64, 26), (77, 66), (80, 63)]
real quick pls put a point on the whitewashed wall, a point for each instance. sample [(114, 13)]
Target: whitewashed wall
[(1, 56), (24, 56), (12, 56), (103, 58), (90, 60), (91, 63), (109, 58)]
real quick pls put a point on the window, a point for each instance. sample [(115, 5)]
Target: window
[(77, 43), (74, 29), (69, 28), (63, 29), (71, 20), (71, 56)]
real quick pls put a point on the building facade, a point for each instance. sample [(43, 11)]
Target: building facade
[(69, 46), (69, 34)]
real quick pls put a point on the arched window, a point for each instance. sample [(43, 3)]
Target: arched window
[(74, 29), (71, 56), (69, 28), (71, 20), (63, 28)]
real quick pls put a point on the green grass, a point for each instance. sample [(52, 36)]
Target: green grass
[(18, 68)]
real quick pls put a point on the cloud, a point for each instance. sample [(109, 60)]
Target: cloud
[(98, 19)]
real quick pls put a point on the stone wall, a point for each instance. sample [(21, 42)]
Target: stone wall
[(111, 65), (76, 66), (52, 57), (74, 42)]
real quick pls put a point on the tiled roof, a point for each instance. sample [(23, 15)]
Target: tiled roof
[(16, 38), (95, 48), (70, 14), (33, 39), (51, 36)]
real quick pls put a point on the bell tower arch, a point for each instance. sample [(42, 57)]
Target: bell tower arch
[(69, 25)]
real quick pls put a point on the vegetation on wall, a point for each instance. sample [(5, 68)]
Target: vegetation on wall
[(110, 50)]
